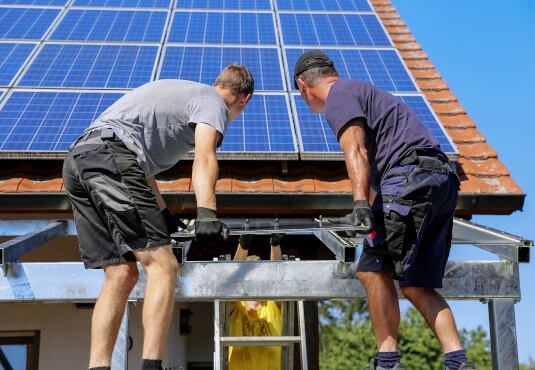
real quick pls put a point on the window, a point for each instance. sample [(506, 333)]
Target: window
[(19, 350)]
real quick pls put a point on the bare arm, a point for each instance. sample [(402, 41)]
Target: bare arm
[(205, 166), (351, 139), (276, 255), (159, 199)]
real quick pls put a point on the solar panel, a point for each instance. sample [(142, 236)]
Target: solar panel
[(12, 58), (48, 120), (34, 2), (223, 28), (203, 64), (26, 23), (380, 67), (78, 56), (124, 3), (224, 4), (91, 66), (263, 128), (325, 5), (317, 139), (332, 29), (111, 25)]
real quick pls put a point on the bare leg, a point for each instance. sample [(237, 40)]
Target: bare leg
[(437, 314), (109, 311), (161, 268), (384, 308)]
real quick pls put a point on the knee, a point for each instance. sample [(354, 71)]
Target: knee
[(123, 275), (411, 292)]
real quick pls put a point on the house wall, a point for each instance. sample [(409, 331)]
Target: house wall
[(65, 333)]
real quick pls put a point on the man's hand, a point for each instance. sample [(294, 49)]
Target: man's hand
[(208, 229), (361, 215), (172, 221), (275, 239), (245, 241)]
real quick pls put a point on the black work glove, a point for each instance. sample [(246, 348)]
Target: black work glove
[(245, 241), (208, 229), (275, 239), (172, 221), (361, 215)]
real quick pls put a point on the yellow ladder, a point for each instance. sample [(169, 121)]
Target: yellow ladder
[(222, 341)]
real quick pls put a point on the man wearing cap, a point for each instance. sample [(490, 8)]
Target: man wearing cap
[(395, 164)]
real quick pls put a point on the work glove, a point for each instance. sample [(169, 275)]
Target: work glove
[(245, 241), (275, 239), (208, 229), (362, 215), (172, 221)]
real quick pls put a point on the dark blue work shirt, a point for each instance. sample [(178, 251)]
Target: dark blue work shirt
[(393, 130)]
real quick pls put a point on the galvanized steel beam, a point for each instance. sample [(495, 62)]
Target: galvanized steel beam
[(503, 343)]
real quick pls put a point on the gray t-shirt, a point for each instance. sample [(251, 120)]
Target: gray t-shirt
[(157, 120)]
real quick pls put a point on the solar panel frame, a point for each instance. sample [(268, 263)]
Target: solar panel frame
[(50, 69), (111, 25), (13, 57)]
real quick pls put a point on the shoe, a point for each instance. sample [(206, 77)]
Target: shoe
[(397, 366), (464, 366)]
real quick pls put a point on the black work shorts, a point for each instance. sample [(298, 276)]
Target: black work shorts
[(413, 214), (114, 207)]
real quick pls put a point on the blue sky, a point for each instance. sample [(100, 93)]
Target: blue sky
[(485, 51)]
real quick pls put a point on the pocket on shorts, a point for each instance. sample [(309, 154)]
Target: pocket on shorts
[(393, 232), (120, 208), (95, 160)]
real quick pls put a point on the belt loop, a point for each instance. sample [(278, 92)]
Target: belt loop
[(409, 159)]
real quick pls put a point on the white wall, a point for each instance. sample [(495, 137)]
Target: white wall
[(65, 333)]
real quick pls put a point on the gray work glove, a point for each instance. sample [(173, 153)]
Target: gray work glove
[(208, 228), (245, 241), (275, 239), (362, 215)]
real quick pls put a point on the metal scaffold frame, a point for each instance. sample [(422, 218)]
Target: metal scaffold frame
[(494, 282)]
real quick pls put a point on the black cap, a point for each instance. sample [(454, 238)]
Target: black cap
[(311, 59)]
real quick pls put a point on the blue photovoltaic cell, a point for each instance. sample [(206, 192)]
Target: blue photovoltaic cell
[(49, 121), (12, 58), (325, 5), (382, 68), (223, 27), (316, 135), (203, 64), (124, 3), (420, 107), (332, 29), (104, 66), (264, 126), (34, 2), (224, 4), (25, 23), (111, 25)]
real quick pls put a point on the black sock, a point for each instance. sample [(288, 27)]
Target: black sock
[(453, 360), (100, 368), (151, 364), (388, 359)]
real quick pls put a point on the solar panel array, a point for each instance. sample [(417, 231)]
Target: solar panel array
[(63, 62)]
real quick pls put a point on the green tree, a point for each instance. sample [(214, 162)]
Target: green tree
[(347, 340)]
